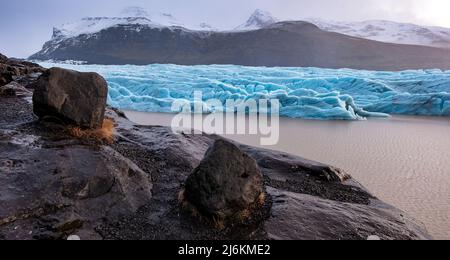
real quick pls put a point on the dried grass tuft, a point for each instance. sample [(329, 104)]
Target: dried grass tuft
[(105, 134), (218, 223), (244, 215), (261, 199)]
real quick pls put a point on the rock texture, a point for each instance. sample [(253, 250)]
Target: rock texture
[(14, 89), (12, 69), (52, 190), (74, 97), (175, 156), (3, 58), (313, 218), (226, 182)]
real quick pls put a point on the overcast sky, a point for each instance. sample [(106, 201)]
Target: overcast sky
[(25, 25)]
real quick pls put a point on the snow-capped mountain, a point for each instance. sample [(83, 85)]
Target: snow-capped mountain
[(129, 16), (92, 25), (377, 30), (259, 19), (161, 19), (138, 37), (388, 31)]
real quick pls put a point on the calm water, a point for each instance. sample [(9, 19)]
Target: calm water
[(405, 161)]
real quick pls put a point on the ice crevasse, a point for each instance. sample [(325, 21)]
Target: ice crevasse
[(310, 93)]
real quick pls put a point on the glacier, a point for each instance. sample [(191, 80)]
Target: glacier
[(309, 93)]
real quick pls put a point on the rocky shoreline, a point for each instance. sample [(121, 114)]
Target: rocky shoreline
[(54, 185)]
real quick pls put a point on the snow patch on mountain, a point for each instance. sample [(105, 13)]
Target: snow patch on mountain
[(388, 31), (129, 16), (257, 20), (378, 30), (92, 25)]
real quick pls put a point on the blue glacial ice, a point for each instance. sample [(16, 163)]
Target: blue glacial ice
[(310, 93)]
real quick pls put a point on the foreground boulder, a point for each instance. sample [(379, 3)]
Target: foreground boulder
[(225, 183), (74, 97)]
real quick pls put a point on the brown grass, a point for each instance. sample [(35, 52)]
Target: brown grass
[(261, 199), (244, 215), (218, 223), (105, 134)]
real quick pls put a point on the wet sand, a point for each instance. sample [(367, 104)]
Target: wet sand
[(404, 161)]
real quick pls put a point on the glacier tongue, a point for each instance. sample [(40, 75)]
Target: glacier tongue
[(310, 93)]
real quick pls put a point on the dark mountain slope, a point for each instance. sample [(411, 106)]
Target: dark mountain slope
[(281, 44)]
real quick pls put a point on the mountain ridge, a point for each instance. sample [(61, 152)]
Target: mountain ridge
[(378, 30), (284, 44)]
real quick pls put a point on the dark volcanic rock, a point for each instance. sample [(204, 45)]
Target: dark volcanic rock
[(10, 69), (329, 192), (6, 75), (226, 182), (282, 165), (72, 96), (53, 191), (304, 217), (14, 89), (3, 58), (7, 91)]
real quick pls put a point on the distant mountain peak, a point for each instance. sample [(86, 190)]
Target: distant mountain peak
[(258, 20), (260, 13)]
